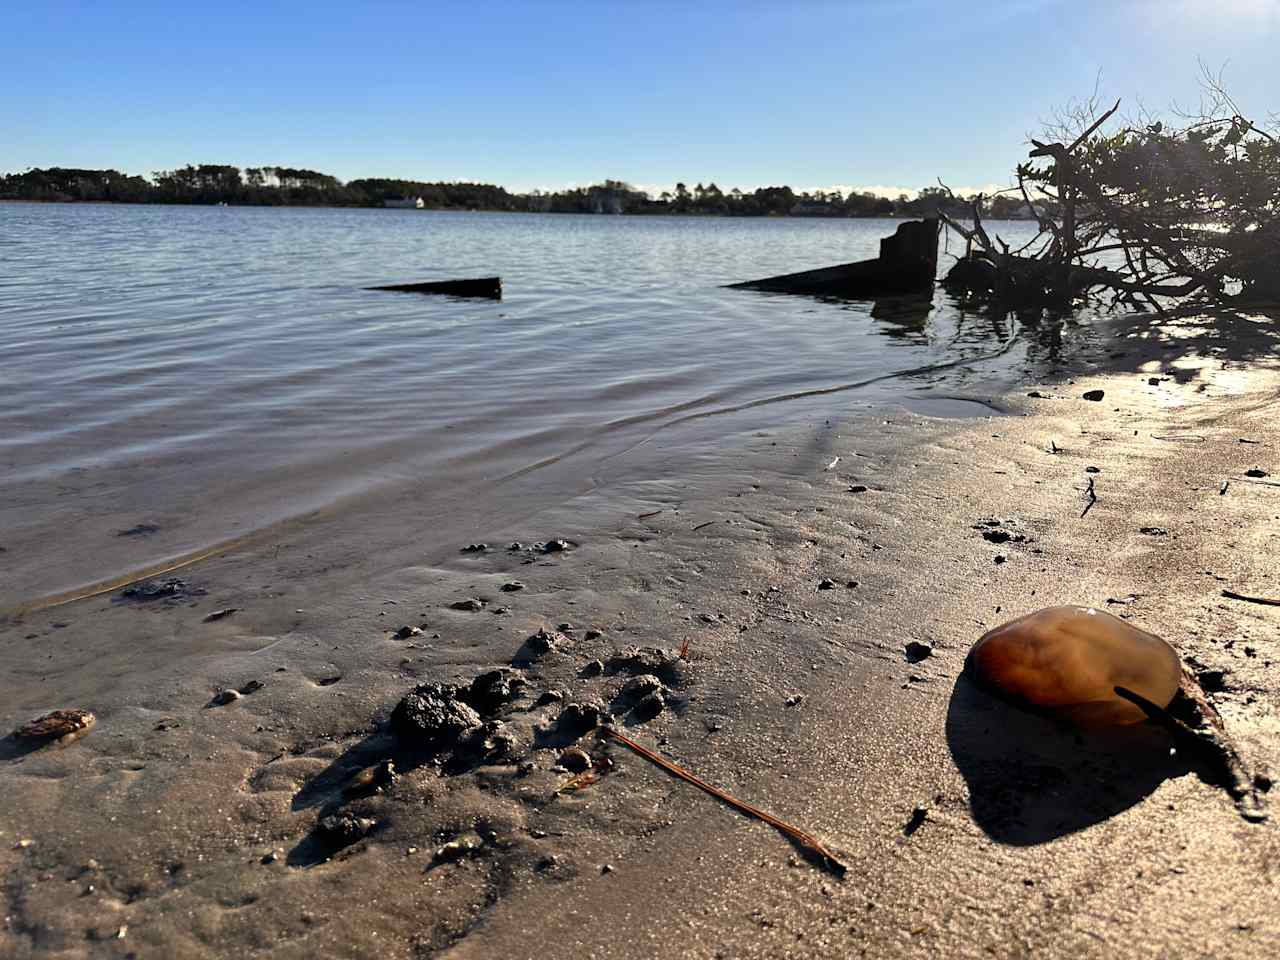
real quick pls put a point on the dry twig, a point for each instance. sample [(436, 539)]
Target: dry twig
[(808, 843), (1265, 601), (1093, 498)]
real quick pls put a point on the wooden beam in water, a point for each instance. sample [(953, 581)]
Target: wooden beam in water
[(908, 262), (486, 287)]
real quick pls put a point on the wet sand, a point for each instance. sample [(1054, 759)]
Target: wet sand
[(182, 828)]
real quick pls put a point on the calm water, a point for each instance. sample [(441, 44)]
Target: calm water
[(165, 363)]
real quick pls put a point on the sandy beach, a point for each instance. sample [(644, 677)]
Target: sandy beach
[(791, 566)]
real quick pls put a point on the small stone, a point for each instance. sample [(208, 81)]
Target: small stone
[(62, 726), (457, 849), (1035, 394), (649, 707), (640, 686), (220, 614), (592, 635), (606, 868), (469, 605), (794, 700), (1092, 469), (223, 697), (475, 548), (343, 828), (565, 627), (492, 690), (857, 488), (577, 718), (543, 642), (997, 536), (999, 558), (405, 632), (512, 587), (556, 546), (852, 584), (635, 660), (826, 583), (575, 760), (253, 686), (1154, 531), (1154, 381), (516, 545), (1212, 681), (593, 668), (1256, 472), (1094, 395), (918, 816), (917, 650), (433, 716), (272, 857)]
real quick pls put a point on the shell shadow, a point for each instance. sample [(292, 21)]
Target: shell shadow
[(1033, 779)]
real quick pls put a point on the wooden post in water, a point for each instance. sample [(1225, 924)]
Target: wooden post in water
[(908, 263)]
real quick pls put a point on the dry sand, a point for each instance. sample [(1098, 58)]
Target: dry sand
[(178, 828)]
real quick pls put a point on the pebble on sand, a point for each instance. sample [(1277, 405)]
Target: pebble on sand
[(1094, 395), (457, 849), (469, 605), (433, 717), (649, 707), (917, 650), (641, 686), (575, 760), (61, 726), (344, 828)]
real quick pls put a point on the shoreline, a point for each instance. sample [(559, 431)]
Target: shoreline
[(1032, 850)]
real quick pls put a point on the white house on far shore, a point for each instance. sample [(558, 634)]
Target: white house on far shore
[(403, 203)]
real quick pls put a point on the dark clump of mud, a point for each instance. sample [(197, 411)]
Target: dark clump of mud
[(170, 590)]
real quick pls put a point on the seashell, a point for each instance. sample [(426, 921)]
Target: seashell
[(62, 726), (1069, 660), (371, 778)]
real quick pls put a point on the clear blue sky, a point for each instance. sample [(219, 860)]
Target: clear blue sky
[(548, 94)]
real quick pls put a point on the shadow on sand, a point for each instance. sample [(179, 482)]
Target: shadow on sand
[(1032, 779)]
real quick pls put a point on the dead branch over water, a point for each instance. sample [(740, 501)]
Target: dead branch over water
[(1139, 217)]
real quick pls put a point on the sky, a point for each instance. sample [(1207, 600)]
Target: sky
[(863, 93)]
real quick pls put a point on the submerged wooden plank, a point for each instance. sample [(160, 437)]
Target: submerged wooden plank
[(908, 262), (487, 287)]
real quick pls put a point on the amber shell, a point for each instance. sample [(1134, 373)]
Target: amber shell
[(1068, 660)]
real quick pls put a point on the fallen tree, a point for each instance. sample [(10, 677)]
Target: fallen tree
[(1146, 214)]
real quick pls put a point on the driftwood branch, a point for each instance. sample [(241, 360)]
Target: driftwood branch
[(1146, 214)]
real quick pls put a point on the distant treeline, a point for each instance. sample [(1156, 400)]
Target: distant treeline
[(210, 183)]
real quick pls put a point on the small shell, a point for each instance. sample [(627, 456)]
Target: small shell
[(1069, 660), (371, 778), (62, 726)]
